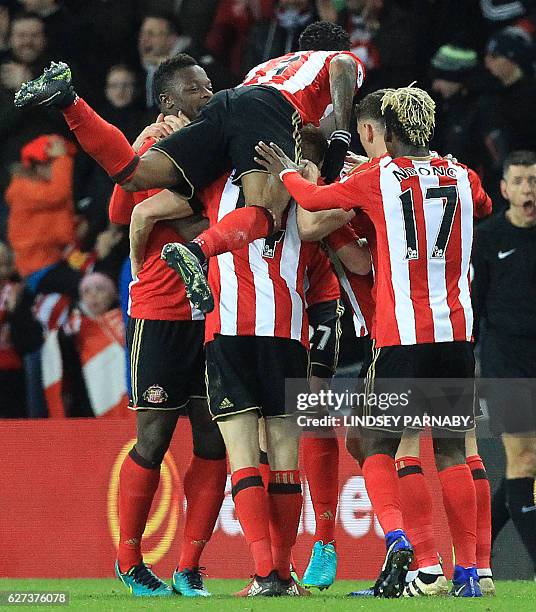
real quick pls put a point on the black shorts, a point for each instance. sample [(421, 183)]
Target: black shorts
[(225, 134), (411, 386), (249, 373), (167, 363), (508, 383)]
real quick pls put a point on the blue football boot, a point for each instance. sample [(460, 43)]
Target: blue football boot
[(189, 583), (322, 566), (141, 582), (396, 565), (465, 582)]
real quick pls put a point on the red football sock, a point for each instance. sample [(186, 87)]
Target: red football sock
[(483, 512), (285, 503), (251, 506), (137, 487), (321, 467), (459, 499), (204, 489), (417, 506), (382, 488), (101, 140), (264, 469), (236, 230)]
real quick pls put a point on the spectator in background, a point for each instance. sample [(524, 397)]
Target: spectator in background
[(457, 116), (508, 122), (105, 35), (20, 334), (501, 13), (92, 186), (361, 20), (27, 54), (93, 350), (278, 35), (123, 107), (25, 59), (230, 29), (159, 39), (4, 30), (41, 216), (61, 28), (504, 296)]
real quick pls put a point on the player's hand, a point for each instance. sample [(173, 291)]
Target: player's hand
[(176, 122), (309, 170), (273, 159), (159, 129)]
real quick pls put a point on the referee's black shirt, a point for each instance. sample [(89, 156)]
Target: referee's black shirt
[(504, 284)]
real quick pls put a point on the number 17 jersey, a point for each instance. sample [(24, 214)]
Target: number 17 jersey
[(422, 210)]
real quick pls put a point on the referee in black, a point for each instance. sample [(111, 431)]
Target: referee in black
[(504, 296)]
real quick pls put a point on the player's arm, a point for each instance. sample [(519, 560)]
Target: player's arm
[(121, 206), (313, 226), (343, 194), (342, 83), (159, 207), (345, 244), (189, 227), (481, 200)]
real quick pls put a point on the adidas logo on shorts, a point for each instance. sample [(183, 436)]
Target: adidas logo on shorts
[(226, 403)]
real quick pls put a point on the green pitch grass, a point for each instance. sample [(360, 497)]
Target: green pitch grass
[(108, 594)]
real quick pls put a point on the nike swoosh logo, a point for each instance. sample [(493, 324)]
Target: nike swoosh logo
[(503, 254), (526, 509), (458, 591)]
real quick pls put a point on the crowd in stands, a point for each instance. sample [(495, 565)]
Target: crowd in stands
[(62, 263)]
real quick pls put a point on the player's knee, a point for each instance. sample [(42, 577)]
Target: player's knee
[(449, 452), (379, 446), (208, 444), (355, 448), (153, 445)]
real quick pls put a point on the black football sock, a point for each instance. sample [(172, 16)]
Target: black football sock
[(522, 505), (197, 251), (500, 514)]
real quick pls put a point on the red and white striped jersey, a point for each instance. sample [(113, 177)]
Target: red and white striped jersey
[(422, 210), (357, 288), (157, 293), (259, 290), (303, 78)]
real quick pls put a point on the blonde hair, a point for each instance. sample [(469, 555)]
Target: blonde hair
[(410, 112)]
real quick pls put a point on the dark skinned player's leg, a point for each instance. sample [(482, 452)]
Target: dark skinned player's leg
[(138, 481), (204, 484)]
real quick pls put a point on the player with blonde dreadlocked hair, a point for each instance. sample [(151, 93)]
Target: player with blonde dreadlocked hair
[(422, 209), (410, 112)]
